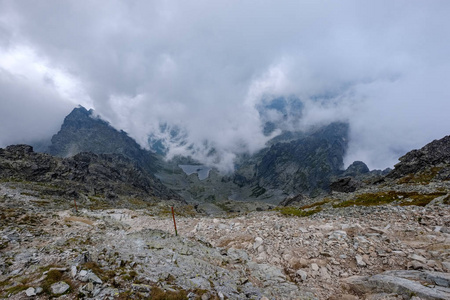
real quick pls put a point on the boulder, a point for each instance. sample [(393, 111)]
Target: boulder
[(59, 288), (345, 185)]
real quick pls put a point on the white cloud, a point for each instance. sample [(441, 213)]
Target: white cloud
[(205, 66)]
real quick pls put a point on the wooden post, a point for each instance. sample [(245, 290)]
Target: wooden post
[(76, 208), (174, 223)]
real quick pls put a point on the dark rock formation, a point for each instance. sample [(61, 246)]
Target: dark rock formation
[(305, 165), (356, 168), (298, 200), (435, 154), (105, 175), (345, 185), (83, 132)]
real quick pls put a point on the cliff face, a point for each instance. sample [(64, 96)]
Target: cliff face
[(82, 132), (302, 164), (106, 175)]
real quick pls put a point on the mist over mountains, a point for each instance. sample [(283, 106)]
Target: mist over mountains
[(204, 79), (266, 130), (291, 163)]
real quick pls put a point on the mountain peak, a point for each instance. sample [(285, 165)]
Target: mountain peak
[(81, 131)]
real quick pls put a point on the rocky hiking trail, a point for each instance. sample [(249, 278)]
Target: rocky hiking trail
[(377, 252)]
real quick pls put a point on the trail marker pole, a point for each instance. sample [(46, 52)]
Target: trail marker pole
[(174, 223), (76, 208)]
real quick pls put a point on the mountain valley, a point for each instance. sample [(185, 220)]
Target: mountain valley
[(93, 221)]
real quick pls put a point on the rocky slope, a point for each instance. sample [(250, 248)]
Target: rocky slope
[(430, 162), (81, 131), (293, 162), (356, 252), (304, 165), (107, 176), (389, 239)]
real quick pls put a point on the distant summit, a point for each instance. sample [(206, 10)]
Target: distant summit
[(83, 132)]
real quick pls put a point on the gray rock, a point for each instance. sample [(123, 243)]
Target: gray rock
[(446, 265), (30, 292), (303, 274), (298, 200), (403, 283), (418, 258), (408, 287), (237, 255), (73, 271), (359, 261), (345, 185), (141, 287), (434, 153), (338, 235), (324, 273), (314, 267), (94, 278), (258, 242), (59, 288)]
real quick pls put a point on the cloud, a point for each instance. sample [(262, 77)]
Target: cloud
[(207, 67)]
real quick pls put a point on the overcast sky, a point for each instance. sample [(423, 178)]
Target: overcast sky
[(205, 66)]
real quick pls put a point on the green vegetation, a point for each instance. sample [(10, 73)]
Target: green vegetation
[(53, 276), (16, 289), (298, 212), (382, 198), (447, 200), (102, 274), (159, 294), (3, 244), (320, 203), (423, 177)]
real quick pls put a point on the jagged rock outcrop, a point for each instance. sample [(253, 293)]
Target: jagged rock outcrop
[(88, 173), (434, 155), (83, 132), (305, 165), (356, 168), (424, 284), (345, 185)]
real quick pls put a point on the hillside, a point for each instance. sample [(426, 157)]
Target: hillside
[(389, 239), (85, 176), (293, 162)]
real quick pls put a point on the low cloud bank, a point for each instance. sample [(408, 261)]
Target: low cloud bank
[(196, 75)]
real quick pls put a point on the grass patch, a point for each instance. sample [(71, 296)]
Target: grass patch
[(16, 289), (320, 203), (422, 177), (223, 206), (446, 200), (53, 276), (159, 294), (138, 202), (41, 202), (95, 268), (79, 219), (4, 244), (98, 203), (383, 198), (297, 212)]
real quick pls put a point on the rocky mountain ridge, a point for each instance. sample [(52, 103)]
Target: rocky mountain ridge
[(81, 131), (388, 239), (293, 162), (109, 176), (432, 159)]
